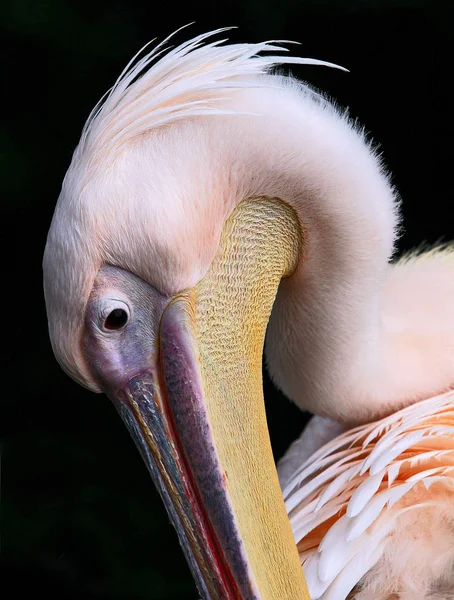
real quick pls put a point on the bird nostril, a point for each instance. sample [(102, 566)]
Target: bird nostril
[(116, 319)]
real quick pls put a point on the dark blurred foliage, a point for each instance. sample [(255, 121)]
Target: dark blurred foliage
[(80, 517)]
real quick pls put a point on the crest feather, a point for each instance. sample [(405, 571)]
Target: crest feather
[(186, 81)]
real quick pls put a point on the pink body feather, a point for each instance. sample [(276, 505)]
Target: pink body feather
[(372, 510)]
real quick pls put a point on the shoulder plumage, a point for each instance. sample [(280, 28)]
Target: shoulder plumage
[(352, 503)]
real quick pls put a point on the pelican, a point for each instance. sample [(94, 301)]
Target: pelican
[(212, 200)]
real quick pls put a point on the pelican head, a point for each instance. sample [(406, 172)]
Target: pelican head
[(209, 201)]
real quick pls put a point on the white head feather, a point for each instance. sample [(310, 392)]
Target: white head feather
[(193, 80)]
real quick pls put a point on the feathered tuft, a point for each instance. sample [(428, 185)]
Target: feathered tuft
[(186, 82), (373, 510)]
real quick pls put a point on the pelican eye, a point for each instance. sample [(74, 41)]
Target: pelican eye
[(116, 319), (113, 314)]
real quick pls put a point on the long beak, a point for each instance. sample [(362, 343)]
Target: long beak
[(198, 416)]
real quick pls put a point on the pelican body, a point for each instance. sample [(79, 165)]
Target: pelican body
[(209, 202)]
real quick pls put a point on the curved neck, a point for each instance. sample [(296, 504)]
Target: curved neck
[(325, 338), (333, 343), (350, 335)]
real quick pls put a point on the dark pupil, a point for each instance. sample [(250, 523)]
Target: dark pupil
[(116, 319)]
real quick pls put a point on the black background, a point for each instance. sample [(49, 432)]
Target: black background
[(80, 517)]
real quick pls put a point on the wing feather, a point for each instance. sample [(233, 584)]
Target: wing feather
[(350, 500)]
